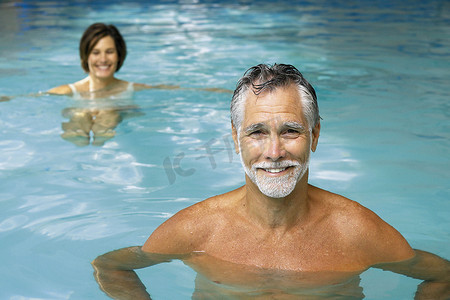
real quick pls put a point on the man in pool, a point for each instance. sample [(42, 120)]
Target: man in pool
[(277, 232)]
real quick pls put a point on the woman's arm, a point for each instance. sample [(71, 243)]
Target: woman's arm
[(60, 90), (141, 86), (4, 98)]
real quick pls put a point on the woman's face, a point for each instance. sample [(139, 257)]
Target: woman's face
[(103, 59)]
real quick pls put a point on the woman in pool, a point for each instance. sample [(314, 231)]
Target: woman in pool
[(104, 100), (102, 53)]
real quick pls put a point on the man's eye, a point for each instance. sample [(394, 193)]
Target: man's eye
[(256, 133), (292, 132)]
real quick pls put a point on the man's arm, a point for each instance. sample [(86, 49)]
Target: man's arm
[(115, 276), (177, 238), (434, 270), (171, 240)]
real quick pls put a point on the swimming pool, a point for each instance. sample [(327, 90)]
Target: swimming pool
[(381, 71)]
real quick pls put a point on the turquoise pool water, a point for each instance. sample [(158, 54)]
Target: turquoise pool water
[(381, 70)]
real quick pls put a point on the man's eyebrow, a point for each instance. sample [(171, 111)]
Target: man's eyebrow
[(294, 125), (254, 127)]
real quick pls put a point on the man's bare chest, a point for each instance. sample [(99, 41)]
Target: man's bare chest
[(298, 251)]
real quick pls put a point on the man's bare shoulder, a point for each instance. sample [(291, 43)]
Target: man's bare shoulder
[(213, 208), (189, 229), (361, 227), (338, 206)]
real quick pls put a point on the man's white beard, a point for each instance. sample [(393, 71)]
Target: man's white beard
[(280, 186)]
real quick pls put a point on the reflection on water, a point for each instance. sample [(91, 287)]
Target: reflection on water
[(115, 167), (218, 279), (94, 119), (380, 76), (15, 154)]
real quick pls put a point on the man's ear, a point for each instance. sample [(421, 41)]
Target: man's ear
[(235, 138), (315, 137)]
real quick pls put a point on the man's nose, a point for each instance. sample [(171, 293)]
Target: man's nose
[(274, 148)]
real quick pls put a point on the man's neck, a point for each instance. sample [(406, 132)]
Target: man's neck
[(277, 213)]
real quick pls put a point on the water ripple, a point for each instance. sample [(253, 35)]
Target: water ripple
[(13, 222), (15, 154)]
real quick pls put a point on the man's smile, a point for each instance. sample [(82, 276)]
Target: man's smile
[(276, 171)]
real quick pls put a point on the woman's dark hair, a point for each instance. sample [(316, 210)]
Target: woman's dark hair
[(96, 32)]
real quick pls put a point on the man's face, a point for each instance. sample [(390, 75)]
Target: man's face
[(274, 141)]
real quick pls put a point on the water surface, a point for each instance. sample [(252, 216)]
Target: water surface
[(381, 72)]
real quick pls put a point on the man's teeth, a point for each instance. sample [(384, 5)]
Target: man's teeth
[(275, 170)]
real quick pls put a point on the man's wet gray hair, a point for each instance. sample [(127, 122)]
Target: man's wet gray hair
[(265, 77)]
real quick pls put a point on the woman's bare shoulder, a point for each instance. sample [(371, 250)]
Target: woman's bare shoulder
[(66, 89), (60, 90)]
